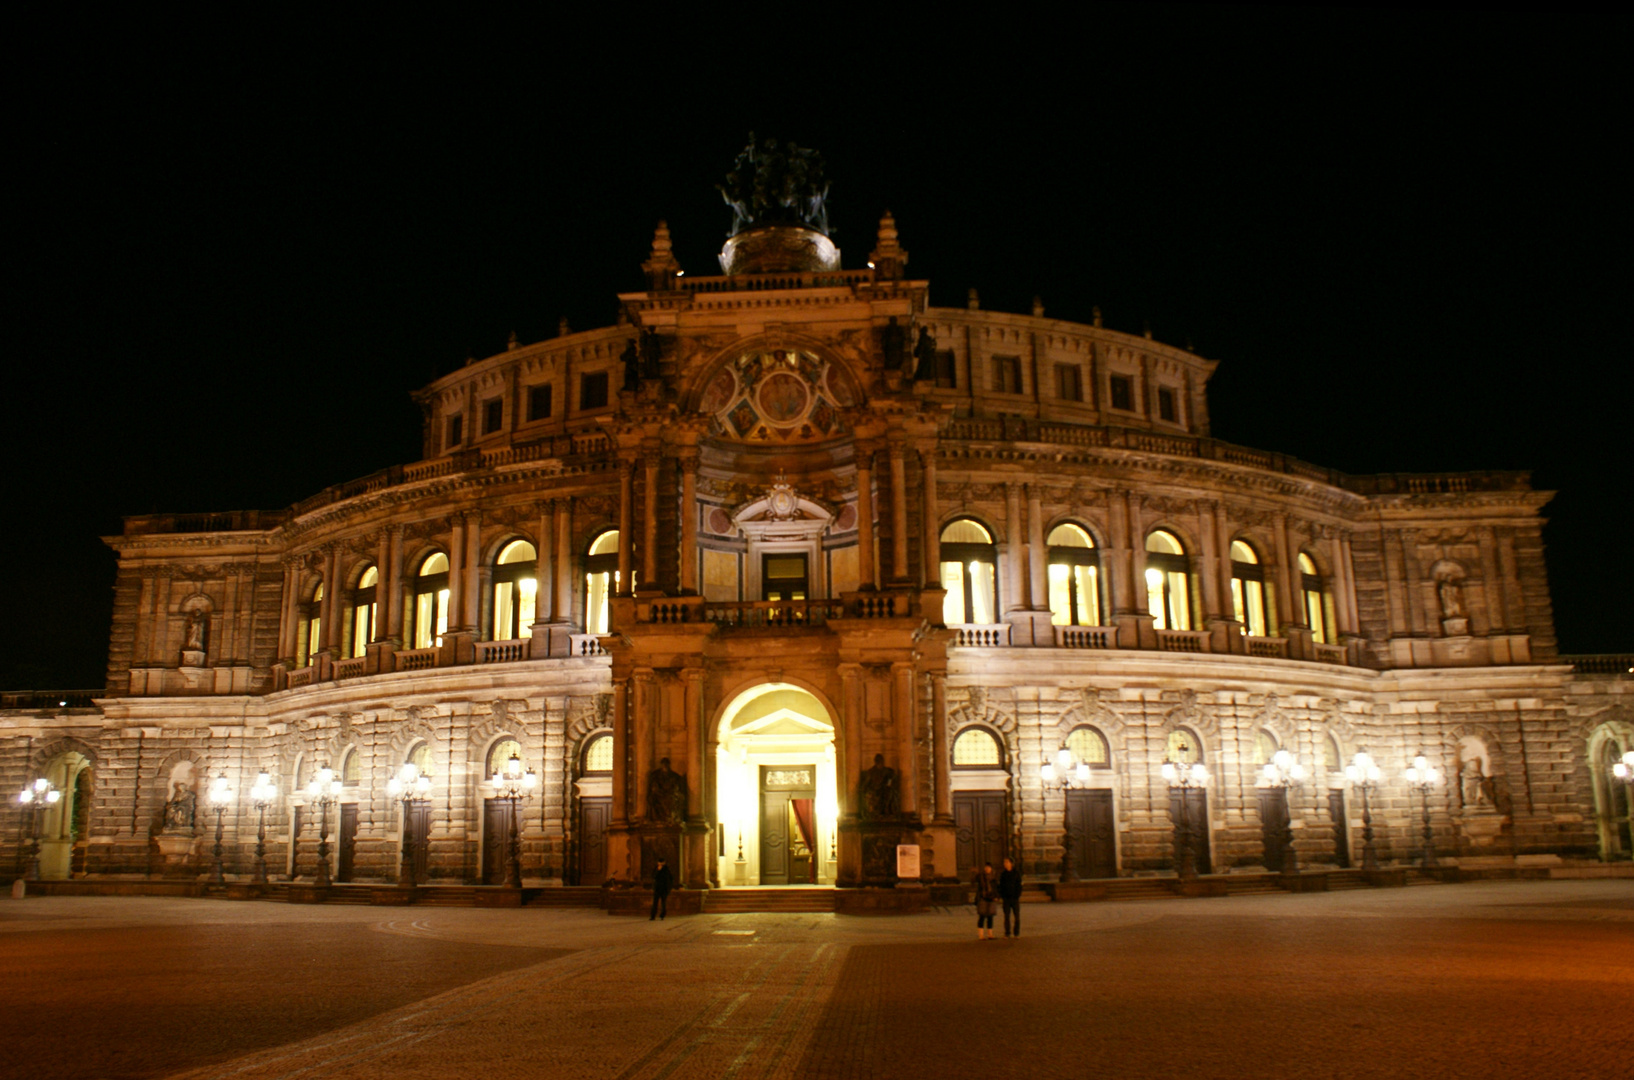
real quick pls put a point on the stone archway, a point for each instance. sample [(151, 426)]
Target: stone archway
[(776, 793)]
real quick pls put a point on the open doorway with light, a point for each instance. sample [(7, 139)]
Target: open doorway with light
[(777, 807)]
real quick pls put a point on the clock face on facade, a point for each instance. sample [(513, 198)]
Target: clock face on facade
[(777, 396)]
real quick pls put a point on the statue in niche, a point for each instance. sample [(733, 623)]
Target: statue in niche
[(877, 796), (1473, 785), (924, 355), (1452, 600), (666, 795), (894, 344), (197, 624), (631, 359), (181, 810)]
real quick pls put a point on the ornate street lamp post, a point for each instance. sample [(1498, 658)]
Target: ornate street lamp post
[(324, 791), (1285, 772), (414, 790), (1365, 775), (1063, 775), (221, 794), (1185, 777), (262, 795), (36, 798), (1424, 776), (516, 785)]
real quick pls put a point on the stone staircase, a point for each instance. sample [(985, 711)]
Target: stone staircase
[(785, 899)]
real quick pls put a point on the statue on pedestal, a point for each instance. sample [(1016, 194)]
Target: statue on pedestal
[(877, 795), (181, 810), (666, 795)]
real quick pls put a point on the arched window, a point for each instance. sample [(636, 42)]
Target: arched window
[(364, 610), (351, 767), (309, 642), (976, 748), (600, 581), (969, 560), (1314, 599), (1248, 590), (516, 585), (1183, 747), (1265, 747), (598, 754), (1074, 569), (1331, 761), (420, 757), (1168, 582), (431, 601), (1088, 746), (501, 752)]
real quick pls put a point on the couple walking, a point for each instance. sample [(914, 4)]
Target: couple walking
[(992, 888)]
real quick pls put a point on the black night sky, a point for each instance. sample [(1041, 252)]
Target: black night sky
[(237, 248)]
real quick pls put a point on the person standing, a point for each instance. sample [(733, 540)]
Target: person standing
[(987, 895), (1010, 896), (663, 880)]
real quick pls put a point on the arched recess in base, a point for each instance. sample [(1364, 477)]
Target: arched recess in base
[(776, 795)]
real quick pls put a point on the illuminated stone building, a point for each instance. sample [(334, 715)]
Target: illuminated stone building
[(704, 568)]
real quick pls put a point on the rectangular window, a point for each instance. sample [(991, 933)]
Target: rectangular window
[(456, 431), (1123, 393), (539, 402), (593, 390), (945, 369), (1069, 384), (1165, 406), (1007, 374), (493, 415)]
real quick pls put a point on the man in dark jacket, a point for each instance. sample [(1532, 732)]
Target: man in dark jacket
[(1010, 895), (663, 880)]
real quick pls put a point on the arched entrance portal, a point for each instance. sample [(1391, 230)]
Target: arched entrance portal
[(63, 826), (775, 782)]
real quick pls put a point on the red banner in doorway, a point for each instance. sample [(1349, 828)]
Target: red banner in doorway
[(808, 835)]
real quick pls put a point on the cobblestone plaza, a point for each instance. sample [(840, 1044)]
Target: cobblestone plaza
[(1500, 979)]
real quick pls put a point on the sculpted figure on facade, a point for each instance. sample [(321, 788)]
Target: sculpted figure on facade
[(666, 795), (877, 796), (181, 810)]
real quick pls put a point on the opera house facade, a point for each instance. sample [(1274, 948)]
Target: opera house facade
[(788, 573)]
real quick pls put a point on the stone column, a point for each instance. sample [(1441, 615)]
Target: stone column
[(688, 462), (641, 735), (473, 568), (1119, 566), (939, 747), (332, 601), (382, 585), (394, 613), (561, 597), (544, 581), (694, 702), (902, 706), (621, 752), (1514, 605), (1344, 625), (287, 621), (649, 520), (1347, 561), (853, 721), (1014, 599), (865, 516), (626, 513), (1288, 614), (1209, 577), (1491, 587), (456, 573), (899, 512), (1036, 552), (933, 520)]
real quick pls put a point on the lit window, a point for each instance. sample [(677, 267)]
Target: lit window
[(1088, 746), (431, 602), (1315, 601), (976, 748), (1331, 761), (310, 641), (364, 611), (783, 576), (1265, 747), (598, 756), (600, 581), (1183, 747), (502, 751), (420, 758), (968, 571), (351, 767), (1168, 590), (1248, 590), (1074, 576), (516, 588)]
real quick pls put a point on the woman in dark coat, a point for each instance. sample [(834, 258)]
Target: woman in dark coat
[(987, 895)]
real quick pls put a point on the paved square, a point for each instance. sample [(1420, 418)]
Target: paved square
[(1521, 979)]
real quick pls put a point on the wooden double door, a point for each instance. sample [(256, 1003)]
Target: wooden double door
[(981, 820), (1192, 819), (788, 827), (1091, 834), (595, 814), (303, 856)]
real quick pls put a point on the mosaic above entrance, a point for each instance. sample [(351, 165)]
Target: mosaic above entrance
[(779, 395)]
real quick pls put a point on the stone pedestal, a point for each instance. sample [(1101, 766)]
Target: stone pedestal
[(176, 854)]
